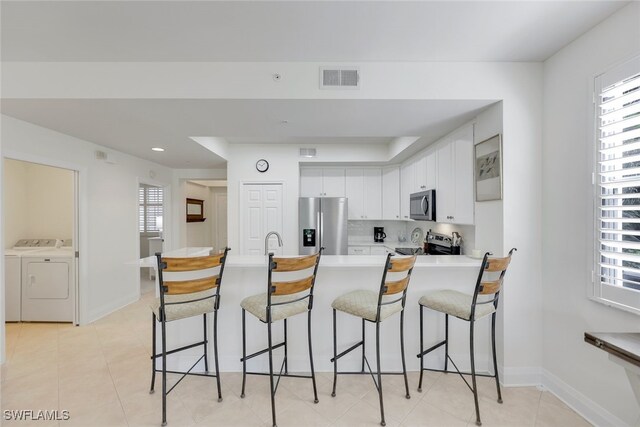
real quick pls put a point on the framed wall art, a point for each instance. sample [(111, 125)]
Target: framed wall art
[(488, 169)]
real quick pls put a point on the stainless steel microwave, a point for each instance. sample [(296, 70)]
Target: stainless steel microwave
[(423, 206)]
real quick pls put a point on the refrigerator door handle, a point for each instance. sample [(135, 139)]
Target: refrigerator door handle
[(321, 222)]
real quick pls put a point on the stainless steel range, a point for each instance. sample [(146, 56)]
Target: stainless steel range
[(438, 244)]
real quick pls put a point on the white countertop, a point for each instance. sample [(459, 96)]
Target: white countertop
[(387, 242), (333, 261)]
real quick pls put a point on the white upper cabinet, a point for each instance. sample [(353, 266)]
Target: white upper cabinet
[(454, 195), (319, 182), (406, 188), (364, 191), (333, 182), (424, 172), (391, 193)]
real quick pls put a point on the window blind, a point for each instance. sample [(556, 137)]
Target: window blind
[(618, 185), (150, 201)]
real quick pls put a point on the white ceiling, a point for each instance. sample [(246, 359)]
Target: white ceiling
[(294, 31), (273, 31), (135, 126)]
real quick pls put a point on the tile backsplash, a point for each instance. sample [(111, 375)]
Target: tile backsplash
[(395, 230)]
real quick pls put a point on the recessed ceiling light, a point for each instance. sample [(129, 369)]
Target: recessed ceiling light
[(157, 149), (284, 122)]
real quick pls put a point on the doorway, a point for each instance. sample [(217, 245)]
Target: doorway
[(212, 231), (40, 211), (150, 227)]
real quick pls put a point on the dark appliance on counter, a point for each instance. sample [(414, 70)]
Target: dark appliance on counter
[(437, 244), (379, 235), (422, 206)]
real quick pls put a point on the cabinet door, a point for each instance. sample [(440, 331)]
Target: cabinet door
[(310, 182), (378, 250), (463, 169), (333, 182), (354, 192), (391, 193), (372, 193), (406, 185), (446, 186), (420, 174), (358, 250), (431, 170)]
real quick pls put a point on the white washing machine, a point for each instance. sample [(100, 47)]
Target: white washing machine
[(13, 276), (48, 284)]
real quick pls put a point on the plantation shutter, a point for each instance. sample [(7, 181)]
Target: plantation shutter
[(618, 184)]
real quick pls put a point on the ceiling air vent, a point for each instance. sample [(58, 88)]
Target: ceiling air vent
[(307, 152), (339, 78)]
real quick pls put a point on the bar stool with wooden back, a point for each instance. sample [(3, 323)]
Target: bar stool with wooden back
[(470, 308), (375, 307), (282, 300), (193, 290)]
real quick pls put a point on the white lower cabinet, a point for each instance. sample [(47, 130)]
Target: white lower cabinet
[(359, 250), (369, 250)]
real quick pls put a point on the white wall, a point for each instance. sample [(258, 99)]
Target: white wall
[(109, 239), (200, 233), (582, 374), (40, 201), (517, 84), (15, 193)]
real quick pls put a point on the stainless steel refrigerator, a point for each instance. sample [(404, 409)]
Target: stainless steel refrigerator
[(322, 222)]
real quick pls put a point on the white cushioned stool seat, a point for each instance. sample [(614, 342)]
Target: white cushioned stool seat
[(455, 303), (364, 304), (257, 305), (181, 311)]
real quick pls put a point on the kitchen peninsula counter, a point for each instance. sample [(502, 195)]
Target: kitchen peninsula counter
[(246, 275)]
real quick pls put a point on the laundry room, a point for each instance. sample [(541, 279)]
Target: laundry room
[(40, 269)]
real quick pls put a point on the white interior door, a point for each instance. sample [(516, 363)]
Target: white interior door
[(262, 213)]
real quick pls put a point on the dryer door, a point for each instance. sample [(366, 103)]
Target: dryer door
[(47, 279)]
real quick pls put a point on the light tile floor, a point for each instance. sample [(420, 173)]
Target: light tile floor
[(100, 373)]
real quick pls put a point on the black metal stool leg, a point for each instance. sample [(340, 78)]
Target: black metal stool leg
[(335, 354), (382, 422), (363, 347), (206, 355), (273, 395), (286, 359), (473, 374), (446, 341), (164, 373), (244, 352), (215, 351), (404, 364), (313, 372), (421, 350), (153, 353), (495, 360)]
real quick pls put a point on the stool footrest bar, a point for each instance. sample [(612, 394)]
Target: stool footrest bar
[(430, 349), (186, 347), (258, 353), (350, 349)]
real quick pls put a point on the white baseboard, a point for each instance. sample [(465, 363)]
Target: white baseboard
[(580, 403), (520, 377), (112, 307)]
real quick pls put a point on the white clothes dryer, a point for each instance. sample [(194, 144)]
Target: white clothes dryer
[(48, 285)]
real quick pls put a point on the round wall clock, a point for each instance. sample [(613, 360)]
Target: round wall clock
[(262, 165)]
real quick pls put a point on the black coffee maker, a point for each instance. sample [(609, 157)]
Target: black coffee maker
[(378, 234)]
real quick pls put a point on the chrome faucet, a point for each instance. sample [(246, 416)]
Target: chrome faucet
[(266, 241)]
